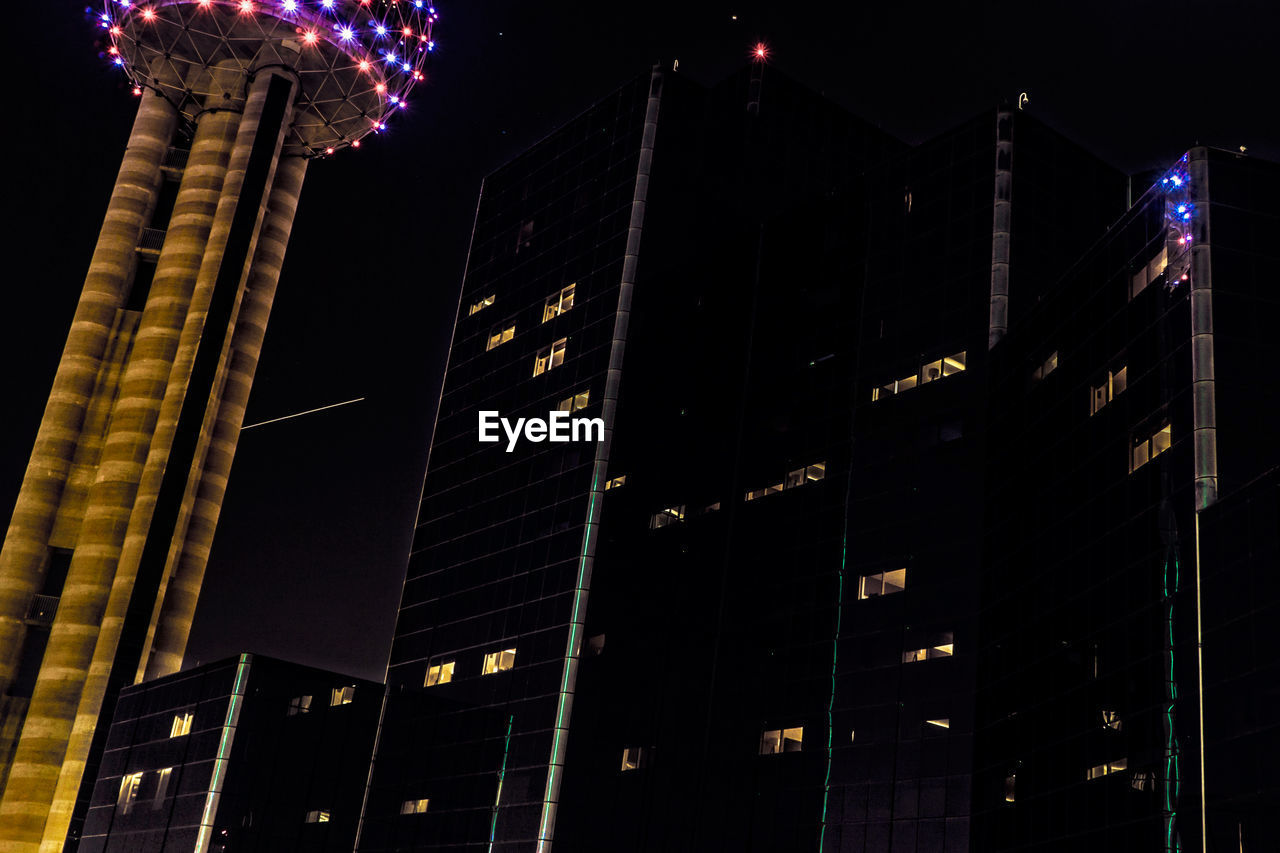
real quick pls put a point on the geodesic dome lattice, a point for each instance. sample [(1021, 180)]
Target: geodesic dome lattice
[(356, 60)]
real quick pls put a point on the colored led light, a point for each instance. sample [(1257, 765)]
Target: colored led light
[(309, 37), (346, 34)]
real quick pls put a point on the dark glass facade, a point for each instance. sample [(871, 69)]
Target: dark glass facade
[(249, 754), (819, 587), (1100, 566)]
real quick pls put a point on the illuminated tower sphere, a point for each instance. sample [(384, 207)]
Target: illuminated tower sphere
[(103, 559)]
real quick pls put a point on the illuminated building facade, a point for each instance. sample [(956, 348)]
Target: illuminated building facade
[(1131, 517), (248, 753), (748, 619), (105, 553)]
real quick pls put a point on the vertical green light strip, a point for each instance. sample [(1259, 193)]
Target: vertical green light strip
[(224, 755), (835, 657), (502, 772), (1171, 775), (586, 562)]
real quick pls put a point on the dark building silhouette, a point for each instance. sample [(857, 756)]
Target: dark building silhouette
[(1131, 468), (248, 753), (812, 589)]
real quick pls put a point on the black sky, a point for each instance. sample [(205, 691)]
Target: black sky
[(315, 530)]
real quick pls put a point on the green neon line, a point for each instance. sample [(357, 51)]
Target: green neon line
[(575, 625), (1172, 777), (835, 654), (502, 772), (224, 754)]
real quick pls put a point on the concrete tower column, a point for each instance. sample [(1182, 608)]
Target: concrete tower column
[(24, 556), (173, 625), (134, 505), (42, 747)]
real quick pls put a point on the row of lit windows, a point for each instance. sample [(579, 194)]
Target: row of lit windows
[(442, 672), (1149, 273), (574, 403), (132, 782), (799, 477), (944, 649), (882, 583), (338, 696), (939, 369), (772, 742), (615, 483), (1146, 449), (1046, 367), (1116, 382), (555, 305)]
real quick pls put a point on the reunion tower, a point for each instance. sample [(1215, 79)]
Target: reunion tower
[(103, 559)]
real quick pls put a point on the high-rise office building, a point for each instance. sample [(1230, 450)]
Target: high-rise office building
[(105, 553), (747, 618), (1129, 555)]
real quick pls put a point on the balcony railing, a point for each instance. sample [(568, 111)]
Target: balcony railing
[(42, 609), (175, 159), (150, 240)]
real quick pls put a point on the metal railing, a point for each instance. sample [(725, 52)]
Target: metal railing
[(42, 609), (150, 240)]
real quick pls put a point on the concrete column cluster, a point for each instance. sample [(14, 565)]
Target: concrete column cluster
[(147, 409)]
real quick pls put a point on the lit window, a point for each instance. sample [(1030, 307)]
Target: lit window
[(499, 661), (574, 403), (128, 791), (558, 304), (670, 515), (318, 816), (181, 725), (1120, 764), (939, 369), (940, 723), (299, 705), (1149, 273), (481, 305), (549, 357), (415, 806), (1011, 788), (595, 645), (945, 649), (799, 477), (1111, 720), (1142, 780), (440, 673), (342, 695), (1050, 364), (1102, 394), (162, 788), (882, 583), (633, 758), (499, 335), (616, 483), (1147, 449), (774, 741)]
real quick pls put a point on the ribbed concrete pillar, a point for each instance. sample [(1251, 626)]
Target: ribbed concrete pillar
[(221, 266), (169, 641), (23, 558), (42, 749)]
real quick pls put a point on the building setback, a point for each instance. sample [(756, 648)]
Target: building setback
[(248, 753)]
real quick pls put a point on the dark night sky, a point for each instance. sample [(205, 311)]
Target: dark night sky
[(315, 530)]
